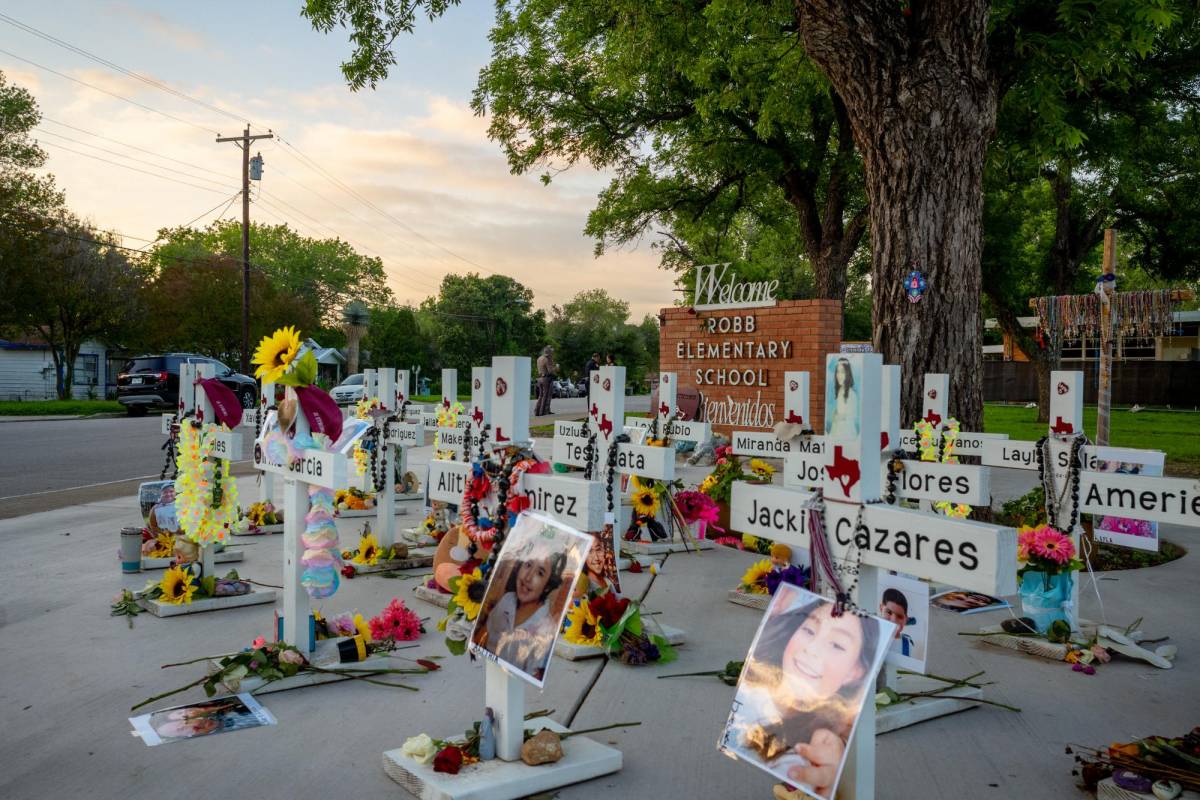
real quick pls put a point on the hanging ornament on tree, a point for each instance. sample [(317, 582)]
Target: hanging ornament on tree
[(914, 286)]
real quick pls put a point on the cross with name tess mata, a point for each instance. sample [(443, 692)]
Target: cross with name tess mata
[(961, 553)]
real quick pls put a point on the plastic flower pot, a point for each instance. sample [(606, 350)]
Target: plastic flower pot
[(1046, 598)]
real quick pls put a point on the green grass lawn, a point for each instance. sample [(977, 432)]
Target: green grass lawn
[(1176, 433), (39, 408)]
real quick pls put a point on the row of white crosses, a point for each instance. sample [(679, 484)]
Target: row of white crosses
[(1174, 501), (961, 553), (391, 387)]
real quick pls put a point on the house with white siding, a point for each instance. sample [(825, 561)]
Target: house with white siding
[(27, 371)]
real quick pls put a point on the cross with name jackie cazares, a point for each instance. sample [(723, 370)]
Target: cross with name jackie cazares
[(861, 530)]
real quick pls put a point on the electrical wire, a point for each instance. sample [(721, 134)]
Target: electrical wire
[(135, 147), (193, 220), (110, 94), (111, 65), (136, 169), (123, 155)]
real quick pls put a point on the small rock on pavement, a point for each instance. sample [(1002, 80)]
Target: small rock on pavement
[(544, 748)]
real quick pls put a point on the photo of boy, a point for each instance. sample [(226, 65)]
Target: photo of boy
[(807, 674), (905, 603), (528, 594)]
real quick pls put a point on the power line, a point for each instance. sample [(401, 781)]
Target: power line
[(191, 221), (123, 155), (135, 169), (105, 62), (135, 147), (110, 94)]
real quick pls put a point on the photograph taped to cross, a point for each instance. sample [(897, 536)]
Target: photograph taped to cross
[(481, 399), (853, 388), (510, 401)]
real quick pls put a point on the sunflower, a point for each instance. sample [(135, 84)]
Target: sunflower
[(468, 592), (645, 502), (754, 581), (164, 546), (368, 550), (761, 469), (363, 628), (177, 586), (275, 354), (582, 625), (707, 484)]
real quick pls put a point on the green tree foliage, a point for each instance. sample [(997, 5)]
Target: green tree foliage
[(325, 274), (29, 203), (194, 304), (595, 322), (78, 286), (473, 319), (395, 340)]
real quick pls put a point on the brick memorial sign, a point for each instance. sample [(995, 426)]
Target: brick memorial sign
[(736, 342)]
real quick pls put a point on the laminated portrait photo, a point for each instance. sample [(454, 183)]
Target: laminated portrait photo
[(195, 720), (841, 399), (802, 689), (904, 602), (528, 594)]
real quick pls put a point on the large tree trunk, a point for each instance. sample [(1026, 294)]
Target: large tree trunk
[(922, 106)]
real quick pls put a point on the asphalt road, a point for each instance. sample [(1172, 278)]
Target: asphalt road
[(47, 464)]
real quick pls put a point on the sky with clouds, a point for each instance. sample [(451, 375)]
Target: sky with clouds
[(412, 147)]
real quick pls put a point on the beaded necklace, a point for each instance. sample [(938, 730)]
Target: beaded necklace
[(1074, 468)]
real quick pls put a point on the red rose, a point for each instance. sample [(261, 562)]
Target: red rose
[(348, 571), (448, 760), (608, 608)]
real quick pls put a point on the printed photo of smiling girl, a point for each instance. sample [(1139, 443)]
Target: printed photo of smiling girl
[(528, 595), (802, 688)]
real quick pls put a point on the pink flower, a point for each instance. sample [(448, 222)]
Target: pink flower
[(722, 461), (259, 642), (291, 657), (1053, 546), (396, 622)]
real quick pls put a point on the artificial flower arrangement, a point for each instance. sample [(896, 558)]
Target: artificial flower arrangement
[(353, 499), (646, 497), (159, 546), (941, 449), (262, 514), (1158, 766), (180, 585), (697, 508), (206, 498), (466, 598), (718, 484), (1046, 550), (602, 619), (764, 577), (370, 553)]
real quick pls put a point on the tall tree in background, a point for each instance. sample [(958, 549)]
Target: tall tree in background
[(921, 83), (78, 287), (1134, 165), (395, 339), (594, 321), (474, 319), (29, 203)]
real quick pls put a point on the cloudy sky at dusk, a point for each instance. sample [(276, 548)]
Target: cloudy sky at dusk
[(412, 147)]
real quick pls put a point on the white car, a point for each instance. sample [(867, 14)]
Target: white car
[(349, 391)]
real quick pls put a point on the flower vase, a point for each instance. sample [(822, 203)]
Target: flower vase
[(1046, 598)]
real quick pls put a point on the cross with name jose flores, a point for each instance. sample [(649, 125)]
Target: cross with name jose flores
[(961, 553), (574, 502), (924, 481), (1174, 501)]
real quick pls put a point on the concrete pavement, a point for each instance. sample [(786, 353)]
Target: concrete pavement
[(71, 672)]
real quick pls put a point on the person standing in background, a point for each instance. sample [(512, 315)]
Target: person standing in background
[(546, 369), (593, 364), (609, 361)]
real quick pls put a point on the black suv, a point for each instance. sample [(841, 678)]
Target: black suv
[(154, 381)]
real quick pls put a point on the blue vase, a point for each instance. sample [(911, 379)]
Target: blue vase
[(1045, 598)]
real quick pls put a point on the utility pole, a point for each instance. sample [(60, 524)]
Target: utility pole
[(243, 142)]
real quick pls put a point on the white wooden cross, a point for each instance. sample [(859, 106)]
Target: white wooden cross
[(1143, 497), (664, 413), (309, 466), (935, 409), (962, 553), (225, 444)]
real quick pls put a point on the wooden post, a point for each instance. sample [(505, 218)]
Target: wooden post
[(1104, 394)]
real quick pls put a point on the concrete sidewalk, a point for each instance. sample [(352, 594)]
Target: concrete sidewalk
[(71, 673)]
